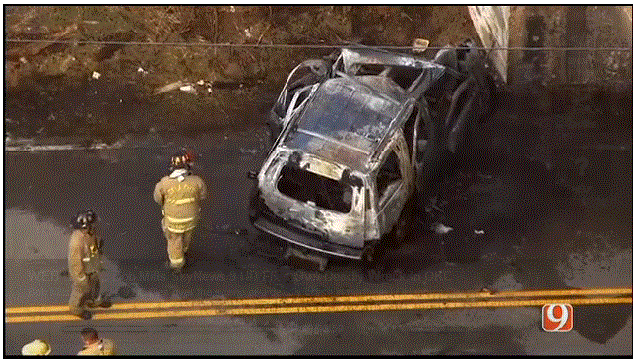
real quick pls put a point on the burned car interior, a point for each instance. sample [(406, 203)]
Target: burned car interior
[(309, 187)]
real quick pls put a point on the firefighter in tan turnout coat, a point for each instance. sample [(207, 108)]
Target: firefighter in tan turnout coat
[(180, 195), (84, 265)]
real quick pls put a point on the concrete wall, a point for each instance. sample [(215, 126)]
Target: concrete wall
[(559, 27), (570, 26)]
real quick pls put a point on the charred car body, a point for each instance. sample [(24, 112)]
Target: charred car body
[(355, 136)]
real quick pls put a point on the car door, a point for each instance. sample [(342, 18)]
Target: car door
[(391, 190)]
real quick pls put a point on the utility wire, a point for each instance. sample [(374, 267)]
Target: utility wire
[(310, 46)]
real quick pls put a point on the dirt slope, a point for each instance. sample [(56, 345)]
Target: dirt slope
[(102, 91)]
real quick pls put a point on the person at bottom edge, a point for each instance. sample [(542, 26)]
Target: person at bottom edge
[(95, 346), (36, 348)]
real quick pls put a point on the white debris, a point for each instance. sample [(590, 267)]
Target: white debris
[(96, 75), (23, 60), (201, 82), (142, 71), (188, 89), (479, 232), (170, 87), (420, 45), (441, 228)]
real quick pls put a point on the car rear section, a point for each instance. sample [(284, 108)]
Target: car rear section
[(310, 203)]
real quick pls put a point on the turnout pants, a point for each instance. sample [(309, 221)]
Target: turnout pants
[(83, 293), (178, 244)]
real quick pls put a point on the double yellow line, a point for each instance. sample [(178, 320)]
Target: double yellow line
[(325, 304)]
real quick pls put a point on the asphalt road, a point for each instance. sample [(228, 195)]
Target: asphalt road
[(540, 232)]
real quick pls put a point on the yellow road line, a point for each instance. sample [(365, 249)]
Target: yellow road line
[(321, 309), (334, 299)]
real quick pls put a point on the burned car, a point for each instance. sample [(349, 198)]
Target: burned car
[(354, 137)]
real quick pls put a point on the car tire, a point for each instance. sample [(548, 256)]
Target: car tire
[(403, 228), (435, 164)]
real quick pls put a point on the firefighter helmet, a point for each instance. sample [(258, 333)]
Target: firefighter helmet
[(181, 159), (84, 219), (36, 348)]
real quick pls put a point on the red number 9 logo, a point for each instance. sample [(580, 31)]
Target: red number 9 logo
[(557, 318)]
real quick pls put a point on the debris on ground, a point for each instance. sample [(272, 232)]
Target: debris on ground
[(188, 89), (169, 88), (441, 229)]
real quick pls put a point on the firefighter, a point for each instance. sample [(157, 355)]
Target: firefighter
[(84, 265), (180, 195), (95, 346), (36, 348)]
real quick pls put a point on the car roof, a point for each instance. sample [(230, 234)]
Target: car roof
[(379, 85), (359, 113)]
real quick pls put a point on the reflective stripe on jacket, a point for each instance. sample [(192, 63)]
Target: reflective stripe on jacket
[(180, 201), (179, 225)]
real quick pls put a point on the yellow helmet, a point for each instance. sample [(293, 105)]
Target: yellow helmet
[(36, 348)]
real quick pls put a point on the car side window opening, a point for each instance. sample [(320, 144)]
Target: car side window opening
[(302, 95), (388, 174)]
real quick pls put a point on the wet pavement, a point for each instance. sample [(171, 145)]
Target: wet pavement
[(536, 220)]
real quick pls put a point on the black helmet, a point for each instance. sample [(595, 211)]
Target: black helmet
[(84, 219), (181, 159)]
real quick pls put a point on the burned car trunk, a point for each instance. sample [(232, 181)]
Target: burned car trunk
[(353, 138), (311, 188)]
